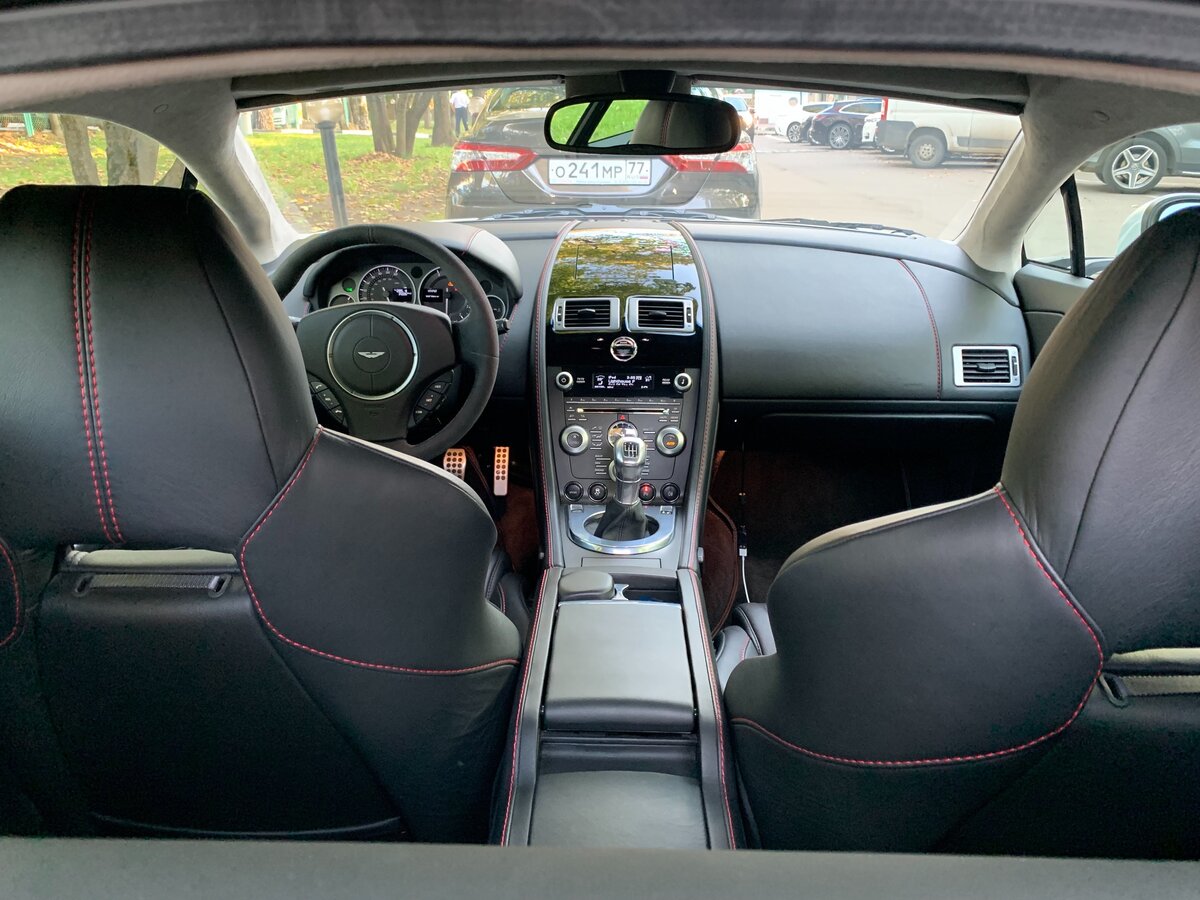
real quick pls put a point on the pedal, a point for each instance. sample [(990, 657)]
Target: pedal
[(455, 462), (500, 472)]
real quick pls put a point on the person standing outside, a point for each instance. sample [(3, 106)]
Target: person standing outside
[(475, 106), (460, 102)]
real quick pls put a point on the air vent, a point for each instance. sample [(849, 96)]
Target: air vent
[(987, 366), (661, 315), (587, 314)]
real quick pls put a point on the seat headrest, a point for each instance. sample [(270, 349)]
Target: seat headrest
[(1104, 456), (663, 123), (151, 388)]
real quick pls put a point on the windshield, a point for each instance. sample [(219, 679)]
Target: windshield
[(479, 151)]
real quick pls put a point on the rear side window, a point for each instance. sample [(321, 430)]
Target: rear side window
[(40, 148)]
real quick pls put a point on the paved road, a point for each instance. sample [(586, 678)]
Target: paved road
[(801, 180)]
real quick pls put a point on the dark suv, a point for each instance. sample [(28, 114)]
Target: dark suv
[(504, 165), (840, 126)]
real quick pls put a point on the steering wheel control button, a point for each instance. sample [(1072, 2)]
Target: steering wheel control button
[(440, 386), (646, 492), (670, 492), (327, 399), (316, 385), (429, 400), (574, 439), (573, 491), (669, 441), (623, 349), (683, 382), (339, 415), (418, 414), (372, 354), (598, 491), (564, 381)]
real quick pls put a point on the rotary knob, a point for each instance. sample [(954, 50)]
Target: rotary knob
[(574, 439), (669, 441)]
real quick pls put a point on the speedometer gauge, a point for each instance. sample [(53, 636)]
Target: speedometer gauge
[(386, 284), (440, 292)]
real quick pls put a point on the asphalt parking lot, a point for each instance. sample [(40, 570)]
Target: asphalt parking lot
[(865, 185)]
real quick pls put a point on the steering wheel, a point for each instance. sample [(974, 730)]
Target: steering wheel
[(384, 369)]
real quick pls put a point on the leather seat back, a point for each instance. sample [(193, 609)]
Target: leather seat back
[(330, 666), (934, 664)]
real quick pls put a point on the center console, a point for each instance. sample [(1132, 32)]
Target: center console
[(619, 738)]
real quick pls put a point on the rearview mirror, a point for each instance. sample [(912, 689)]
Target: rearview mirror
[(645, 125)]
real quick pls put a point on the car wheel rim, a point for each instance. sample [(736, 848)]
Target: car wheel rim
[(926, 151), (1135, 167), (793, 133), (840, 136)]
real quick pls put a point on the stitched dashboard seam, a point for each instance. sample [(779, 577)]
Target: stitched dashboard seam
[(937, 341), (967, 757), (382, 667)]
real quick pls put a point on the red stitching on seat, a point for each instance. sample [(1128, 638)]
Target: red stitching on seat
[(87, 305), (382, 667), (937, 342), (83, 391), (512, 775), (12, 568), (970, 757)]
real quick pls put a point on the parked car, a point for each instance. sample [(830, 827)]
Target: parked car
[(504, 164), (745, 113), (870, 130), (1137, 164), (930, 133), (840, 126), (793, 123)]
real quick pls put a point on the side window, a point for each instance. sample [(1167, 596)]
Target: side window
[(36, 148), (1048, 240)]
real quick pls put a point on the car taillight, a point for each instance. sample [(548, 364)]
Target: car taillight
[(883, 111), (739, 159), (473, 156)]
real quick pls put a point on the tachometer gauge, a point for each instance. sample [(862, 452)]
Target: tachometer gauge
[(387, 284), (439, 292)]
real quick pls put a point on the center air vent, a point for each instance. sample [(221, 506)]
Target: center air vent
[(986, 366), (587, 314), (661, 315)]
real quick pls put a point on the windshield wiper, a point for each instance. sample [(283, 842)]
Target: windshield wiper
[(853, 226)]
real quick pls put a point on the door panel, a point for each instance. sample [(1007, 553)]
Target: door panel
[(1046, 295)]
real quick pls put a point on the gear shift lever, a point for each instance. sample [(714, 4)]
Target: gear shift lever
[(625, 518), (629, 454)]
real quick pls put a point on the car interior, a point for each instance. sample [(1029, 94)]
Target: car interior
[(549, 541)]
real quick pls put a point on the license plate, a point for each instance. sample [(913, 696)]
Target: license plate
[(633, 172)]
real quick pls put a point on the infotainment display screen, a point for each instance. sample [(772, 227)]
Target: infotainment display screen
[(623, 382)]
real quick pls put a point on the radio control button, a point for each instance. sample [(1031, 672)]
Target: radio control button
[(564, 381), (683, 382), (574, 439), (669, 441)]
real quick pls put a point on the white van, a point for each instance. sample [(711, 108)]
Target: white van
[(929, 133)]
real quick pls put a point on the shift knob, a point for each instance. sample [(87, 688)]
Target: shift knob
[(629, 454)]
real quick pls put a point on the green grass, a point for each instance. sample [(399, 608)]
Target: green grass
[(379, 187), (621, 116)]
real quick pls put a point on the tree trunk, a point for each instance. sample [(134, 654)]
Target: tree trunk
[(415, 105), (79, 150), (443, 121), (402, 147), (264, 120), (358, 114), (121, 148), (381, 131)]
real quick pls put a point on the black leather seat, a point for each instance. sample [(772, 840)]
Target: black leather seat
[(327, 663), (935, 680)]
